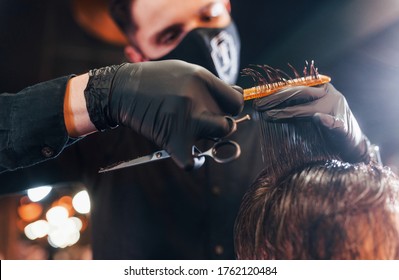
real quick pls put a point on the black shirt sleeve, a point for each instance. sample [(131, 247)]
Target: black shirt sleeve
[(32, 127)]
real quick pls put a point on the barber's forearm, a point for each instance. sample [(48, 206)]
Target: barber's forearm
[(77, 120)]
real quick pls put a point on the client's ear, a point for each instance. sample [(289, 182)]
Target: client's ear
[(133, 55), (228, 5)]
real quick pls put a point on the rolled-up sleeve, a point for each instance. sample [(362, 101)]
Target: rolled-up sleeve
[(32, 127)]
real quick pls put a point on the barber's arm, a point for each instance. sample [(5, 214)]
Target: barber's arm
[(32, 125), (329, 109), (172, 103)]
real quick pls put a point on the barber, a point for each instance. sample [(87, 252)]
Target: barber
[(172, 103)]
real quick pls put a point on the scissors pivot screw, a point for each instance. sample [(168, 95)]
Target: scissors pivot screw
[(158, 155)]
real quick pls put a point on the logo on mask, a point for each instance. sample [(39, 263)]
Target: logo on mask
[(224, 55), (216, 49)]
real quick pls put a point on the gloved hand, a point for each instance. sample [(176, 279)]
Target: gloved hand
[(172, 103), (328, 108)]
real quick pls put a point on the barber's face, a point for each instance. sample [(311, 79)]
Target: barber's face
[(162, 24)]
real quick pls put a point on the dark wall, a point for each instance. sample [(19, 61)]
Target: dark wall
[(40, 40)]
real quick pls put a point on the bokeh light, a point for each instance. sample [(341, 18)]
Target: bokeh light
[(57, 215), (65, 234), (81, 202), (37, 194), (66, 202), (30, 212), (37, 229)]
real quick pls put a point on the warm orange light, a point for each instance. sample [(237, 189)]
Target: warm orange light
[(84, 221), (93, 16), (30, 212)]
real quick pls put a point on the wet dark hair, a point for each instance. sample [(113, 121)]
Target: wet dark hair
[(309, 204), (324, 211)]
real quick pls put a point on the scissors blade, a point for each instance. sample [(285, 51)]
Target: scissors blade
[(148, 158)]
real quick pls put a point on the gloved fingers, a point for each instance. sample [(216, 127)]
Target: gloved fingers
[(238, 88), (298, 111), (350, 141), (206, 126), (330, 89), (290, 97), (214, 126), (334, 127), (180, 151), (328, 121), (229, 98)]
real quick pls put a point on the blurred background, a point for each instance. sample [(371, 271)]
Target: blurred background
[(356, 42)]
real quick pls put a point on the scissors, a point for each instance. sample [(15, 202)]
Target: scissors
[(222, 151)]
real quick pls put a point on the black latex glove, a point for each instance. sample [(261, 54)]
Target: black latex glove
[(172, 103), (328, 108)]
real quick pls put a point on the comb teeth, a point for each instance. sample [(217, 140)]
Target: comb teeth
[(270, 80)]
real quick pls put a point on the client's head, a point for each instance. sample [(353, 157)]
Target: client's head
[(329, 210), (308, 203)]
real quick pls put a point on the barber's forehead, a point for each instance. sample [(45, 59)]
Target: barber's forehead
[(160, 13)]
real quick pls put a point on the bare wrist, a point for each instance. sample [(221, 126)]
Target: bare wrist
[(76, 117)]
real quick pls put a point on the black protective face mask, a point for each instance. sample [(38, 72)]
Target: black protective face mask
[(216, 49)]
